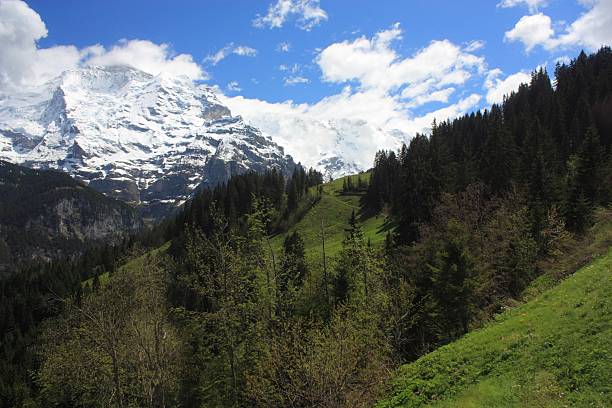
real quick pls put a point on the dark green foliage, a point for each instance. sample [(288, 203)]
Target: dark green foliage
[(451, 268), (285, 199), (551, 143), (31, 224), (293, 264), (353, 185)]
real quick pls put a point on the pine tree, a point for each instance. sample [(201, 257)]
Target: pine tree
[(292, 272), (591, 166), (451, 269)]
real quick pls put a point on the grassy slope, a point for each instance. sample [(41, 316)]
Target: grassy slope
[(551, 352), (129, 265), (334, 209)]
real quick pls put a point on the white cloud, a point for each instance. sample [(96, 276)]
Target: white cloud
[(284, 46), (234, 86), (474, 46), (497, 88), (307, 12), (229, 49), (22, 62), (532, 31), (352, 124), (245, 51), (564, 59), (294, 76), (591, 30), (533, 5), (375, 109), (20, 59), (374, 64), (149, 57), (293, 80), (436, 96)]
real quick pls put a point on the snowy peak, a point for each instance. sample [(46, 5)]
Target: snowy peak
[(149, 140)]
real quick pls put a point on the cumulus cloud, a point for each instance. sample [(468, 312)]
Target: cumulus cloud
[(307, 14), (20, 59), (532, 31), (437, 96), (497, 87), (22, 62), (533, 5), (374, 64), (591, 30), (229, 49)]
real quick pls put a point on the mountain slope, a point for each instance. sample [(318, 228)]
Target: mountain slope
[(334, 211), (149, 140), (46, 214), (550, 352)]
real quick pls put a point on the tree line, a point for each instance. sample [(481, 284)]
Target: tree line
[(550, 141)]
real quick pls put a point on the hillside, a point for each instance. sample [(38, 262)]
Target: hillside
[(333, 210), (550, 352), (47, 214)]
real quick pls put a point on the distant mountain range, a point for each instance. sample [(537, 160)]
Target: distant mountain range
[(147, 140)]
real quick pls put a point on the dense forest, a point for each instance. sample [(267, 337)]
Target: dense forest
[(46, 214), (218, 317)]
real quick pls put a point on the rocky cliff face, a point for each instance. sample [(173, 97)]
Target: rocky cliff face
[(47, 214), (147, 140)]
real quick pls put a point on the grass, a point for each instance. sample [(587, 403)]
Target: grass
[(129, 265), (334, 210), (553, 351)]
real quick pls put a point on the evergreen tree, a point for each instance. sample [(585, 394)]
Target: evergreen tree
[(292, 272), (451, 268)]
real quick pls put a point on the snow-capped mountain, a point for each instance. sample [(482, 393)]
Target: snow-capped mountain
[(149, 140), (329, 141)]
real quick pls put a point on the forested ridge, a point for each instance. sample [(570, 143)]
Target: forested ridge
[(473, 214), (47, 214)]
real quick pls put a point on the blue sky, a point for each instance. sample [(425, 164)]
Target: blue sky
[(202, 28), (378, 70)]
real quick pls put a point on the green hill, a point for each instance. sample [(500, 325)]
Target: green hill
[(551, 352), (333, 210)]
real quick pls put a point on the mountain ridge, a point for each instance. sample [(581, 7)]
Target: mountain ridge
[(147, 140)]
